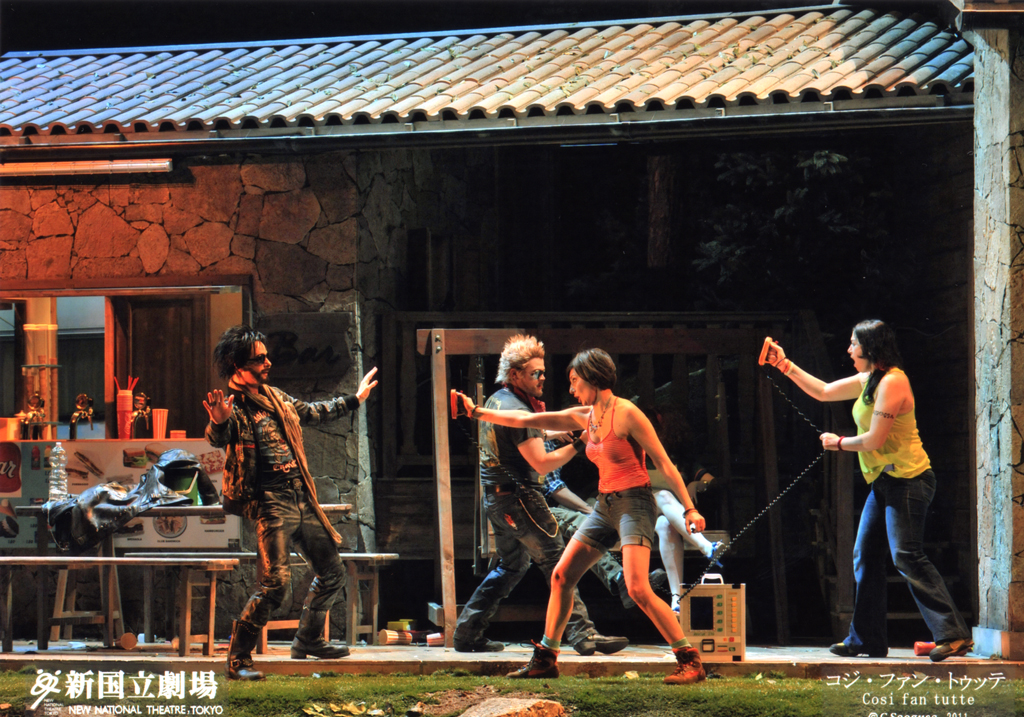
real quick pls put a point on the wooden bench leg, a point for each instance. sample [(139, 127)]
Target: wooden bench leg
[(147, 603), (352, 602), (60, 605), (42, 618), (185, 612), (6, 603), (211, 619), (196, 578), (356, 605), (111, 603)]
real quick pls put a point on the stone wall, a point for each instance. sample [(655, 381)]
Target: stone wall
[(317, 233), (999, 324)]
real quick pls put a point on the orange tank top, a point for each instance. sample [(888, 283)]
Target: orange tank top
[(620, 461)]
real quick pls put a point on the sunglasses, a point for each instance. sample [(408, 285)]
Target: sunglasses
[(260, 359), (537, 375)]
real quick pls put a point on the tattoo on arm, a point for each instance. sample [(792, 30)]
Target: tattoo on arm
[(883, 414)]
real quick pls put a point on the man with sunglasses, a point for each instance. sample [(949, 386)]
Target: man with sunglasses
[(267, 480), (513, 462)]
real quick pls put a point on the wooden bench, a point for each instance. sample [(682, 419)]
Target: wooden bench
[(360, 567), (196, 571)]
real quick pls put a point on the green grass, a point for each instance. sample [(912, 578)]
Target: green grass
[(332, 695)]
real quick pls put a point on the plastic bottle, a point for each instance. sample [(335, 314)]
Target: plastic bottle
[(58, 487)]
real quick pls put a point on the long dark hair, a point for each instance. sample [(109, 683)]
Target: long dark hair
[(233, 348), (595, 367), (878, 344)]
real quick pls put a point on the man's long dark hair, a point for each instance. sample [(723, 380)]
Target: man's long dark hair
[(234, 348), (878, 344)]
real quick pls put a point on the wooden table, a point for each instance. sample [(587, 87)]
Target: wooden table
[(43, 617)]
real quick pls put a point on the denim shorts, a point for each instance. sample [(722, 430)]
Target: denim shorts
[(626, 516)]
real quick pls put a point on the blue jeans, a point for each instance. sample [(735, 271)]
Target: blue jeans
[(524, 530), (625, 516), (893, 521)]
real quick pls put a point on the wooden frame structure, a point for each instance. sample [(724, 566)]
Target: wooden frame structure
[(440, 344)]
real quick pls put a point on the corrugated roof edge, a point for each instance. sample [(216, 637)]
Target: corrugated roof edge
[(415, 35)]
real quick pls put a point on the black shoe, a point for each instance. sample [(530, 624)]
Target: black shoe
[(600, 643), (481, 645), (951, 648), (844, 650), (242, 668), (322, 649), (620, 583), (659, 583)]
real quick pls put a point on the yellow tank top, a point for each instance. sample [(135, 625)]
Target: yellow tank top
[(903, 450)]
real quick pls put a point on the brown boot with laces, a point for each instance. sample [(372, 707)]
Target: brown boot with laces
[(544, 663), (688, 668)]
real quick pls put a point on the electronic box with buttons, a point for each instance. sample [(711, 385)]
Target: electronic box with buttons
[(713, 617)]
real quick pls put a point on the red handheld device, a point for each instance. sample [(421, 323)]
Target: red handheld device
[(455, 403), (764, 351), (923, 648)]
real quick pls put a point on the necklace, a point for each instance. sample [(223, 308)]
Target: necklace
[(592, 427)]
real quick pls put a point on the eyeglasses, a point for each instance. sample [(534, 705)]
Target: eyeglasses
[(537, 375), (260, 359)]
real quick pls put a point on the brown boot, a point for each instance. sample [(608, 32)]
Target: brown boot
[(544, 663), (688, 668)]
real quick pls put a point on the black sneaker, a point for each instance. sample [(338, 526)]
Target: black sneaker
[(481, 645), (659, 584), (844, 650), (597, 642)]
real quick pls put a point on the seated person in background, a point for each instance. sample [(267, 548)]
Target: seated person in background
[(672, 532), (570, 511)]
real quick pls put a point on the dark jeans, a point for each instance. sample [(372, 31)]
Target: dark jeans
[(285, 516), (524, 530), (893, 522)]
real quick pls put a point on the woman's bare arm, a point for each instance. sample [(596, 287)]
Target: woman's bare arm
[(570, 419), (639, 428)]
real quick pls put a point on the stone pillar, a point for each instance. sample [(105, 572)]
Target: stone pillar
[(999, 325)]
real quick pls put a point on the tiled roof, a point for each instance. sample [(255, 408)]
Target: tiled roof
[(831, 55)]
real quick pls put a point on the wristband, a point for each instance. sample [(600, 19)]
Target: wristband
[(788, 368), (472, 414), (839, 444), (579, 445), (690, 510)]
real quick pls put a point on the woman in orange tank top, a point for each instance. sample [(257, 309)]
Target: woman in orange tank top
[(616, 437)]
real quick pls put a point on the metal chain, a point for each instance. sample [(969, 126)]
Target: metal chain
[(504, 469), (728, 546), (725, 548)]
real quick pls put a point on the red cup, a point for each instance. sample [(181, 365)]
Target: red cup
[(124, 414)]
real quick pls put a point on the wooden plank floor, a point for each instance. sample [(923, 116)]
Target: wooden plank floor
[(809, 662)]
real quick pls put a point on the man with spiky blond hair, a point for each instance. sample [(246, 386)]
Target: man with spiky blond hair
[(513, 463)]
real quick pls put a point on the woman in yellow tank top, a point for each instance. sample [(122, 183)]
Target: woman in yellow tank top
[(897, 468)]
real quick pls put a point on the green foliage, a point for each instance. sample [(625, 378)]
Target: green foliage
[(784, 230)]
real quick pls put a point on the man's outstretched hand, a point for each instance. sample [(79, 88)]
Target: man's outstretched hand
[(366, 385), (217, 406)]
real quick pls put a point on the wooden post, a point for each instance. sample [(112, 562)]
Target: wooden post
[(769, 464), (443, 479), (661, 179)]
